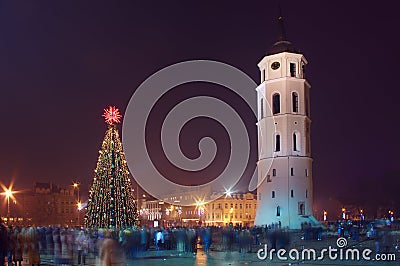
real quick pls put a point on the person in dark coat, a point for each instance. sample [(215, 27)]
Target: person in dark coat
[(3, 242)]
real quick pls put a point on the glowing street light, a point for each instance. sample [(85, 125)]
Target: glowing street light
[(75, 185), (228, 193), (8, 192), (325, 215), (343, 213)]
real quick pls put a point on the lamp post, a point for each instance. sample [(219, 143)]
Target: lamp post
[(8, 193), (75, 185)]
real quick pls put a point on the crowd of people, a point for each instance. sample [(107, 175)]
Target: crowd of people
[(67, 246), (74, 246)]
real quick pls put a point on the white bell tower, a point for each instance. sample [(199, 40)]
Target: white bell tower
[(285, 192)]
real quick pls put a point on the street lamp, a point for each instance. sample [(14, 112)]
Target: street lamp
[(8, 192), (75, 185)]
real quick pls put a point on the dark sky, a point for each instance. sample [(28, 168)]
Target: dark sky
[(62, 62)]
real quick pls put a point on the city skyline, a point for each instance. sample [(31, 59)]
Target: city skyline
[(63, 63)]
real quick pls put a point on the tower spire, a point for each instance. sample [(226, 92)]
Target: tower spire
[(281, 44), (281, 25)]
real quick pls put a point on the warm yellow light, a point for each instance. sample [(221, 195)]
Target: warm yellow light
[(8, 193), (75, 185), (343, 209)]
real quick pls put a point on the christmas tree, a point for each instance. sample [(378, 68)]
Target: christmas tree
[(111, 203)]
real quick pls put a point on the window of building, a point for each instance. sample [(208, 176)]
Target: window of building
[(276, 103), (306, 193), (226, 205), (277, 142), (231, 205), (226, 216), (264, 77), (262, 107), (273, 172), (306, 172), (278, 211), (296, 144), (236, 206), (292, 171), (301, 208), (240, 206), (292, 69), (273, 194), (291, 193), (295, 102)]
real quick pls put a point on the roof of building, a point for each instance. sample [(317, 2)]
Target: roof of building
[(282, 44)]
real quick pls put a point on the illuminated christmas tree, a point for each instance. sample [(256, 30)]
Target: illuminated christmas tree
[(111, 203)]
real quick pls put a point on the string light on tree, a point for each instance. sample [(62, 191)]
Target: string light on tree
[(111, 203)]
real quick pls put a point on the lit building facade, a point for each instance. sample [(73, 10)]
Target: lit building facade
[(235, 209), (46, 204)]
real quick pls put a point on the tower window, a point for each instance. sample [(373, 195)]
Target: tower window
[(262, 108), (273, 172), (306, 172), (292, 171), (264, 76), (302, 210), (278, 211), (273, 194), (291, 193), (277, 142), (276, 103), (292, 69), (306, 193), (295, 102), (296, 146)]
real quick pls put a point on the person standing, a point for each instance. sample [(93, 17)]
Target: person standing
[(32, 239), (3, 243), (82, 242), (18, 247)]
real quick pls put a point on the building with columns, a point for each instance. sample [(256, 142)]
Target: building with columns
[(285, 192)]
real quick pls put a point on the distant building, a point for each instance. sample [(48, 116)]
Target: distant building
[(46, 204), (236, 209)]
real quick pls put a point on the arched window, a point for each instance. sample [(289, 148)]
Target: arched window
[(296, 144), (277, 142), (293, 69), (262, 108), (301, 208), (276, 103), (278, 211), (295, 102)]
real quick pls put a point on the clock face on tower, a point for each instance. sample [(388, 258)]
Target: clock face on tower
[(275, 65)]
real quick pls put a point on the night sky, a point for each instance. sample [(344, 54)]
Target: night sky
[(63, 62)]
